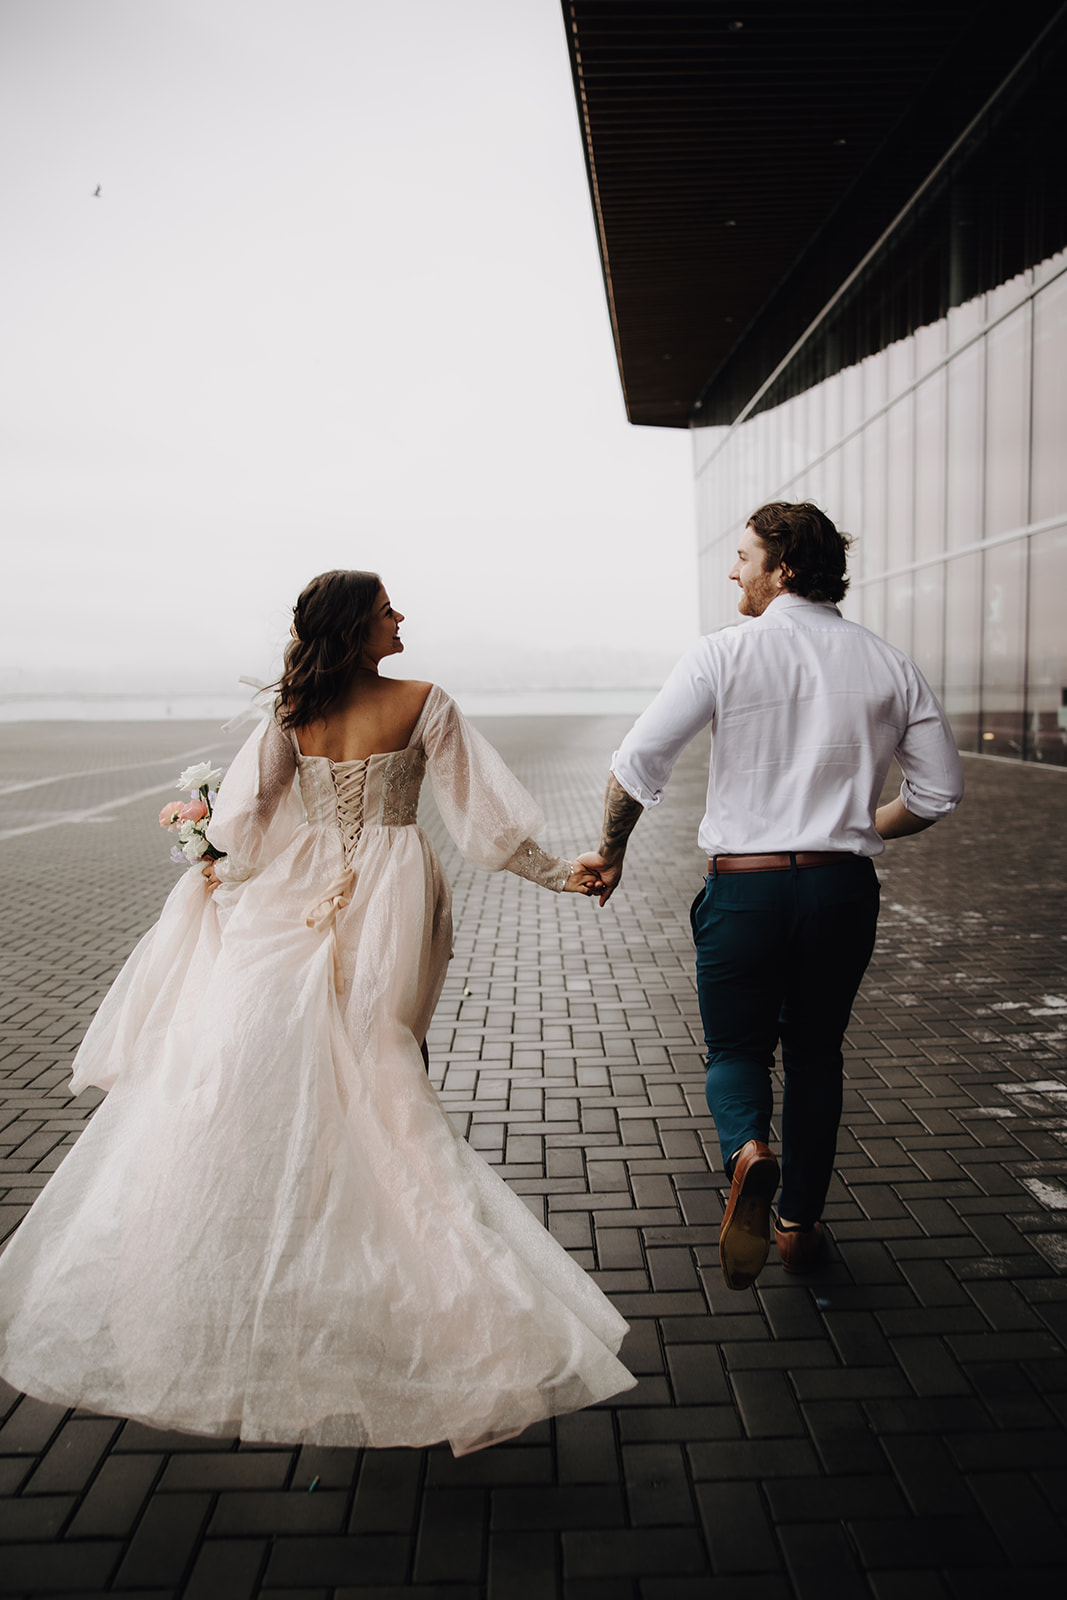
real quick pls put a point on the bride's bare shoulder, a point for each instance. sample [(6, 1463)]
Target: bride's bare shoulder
[(380, 717), (407, 693), (415, 687)]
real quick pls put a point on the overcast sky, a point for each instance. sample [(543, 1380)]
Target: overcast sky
[(338, 304)]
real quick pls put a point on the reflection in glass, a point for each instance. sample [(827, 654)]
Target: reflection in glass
[(793, 440), (872, 528), (965, 321), (772, 453), (1003, 649), (900, 366), (966, 393), (930, 420), (833, 415), (898, 609), (872, 607), (750, 492), (900, 482), (1045, 271), (1048, 485), (705, 442), (963, 653), (875, 382), (1006, 295), (830, 471), (928, 631), (810, 486), (851, 400), (931, 343), (1046, 700), (760, 429), (851, 518), (1007, 433), (976, 449), (814, 403)]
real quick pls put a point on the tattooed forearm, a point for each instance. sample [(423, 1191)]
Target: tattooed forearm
[(621, 812)]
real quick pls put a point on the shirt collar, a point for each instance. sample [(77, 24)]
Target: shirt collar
[(793, 602)]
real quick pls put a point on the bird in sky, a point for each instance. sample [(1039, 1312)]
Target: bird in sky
[(96, 192)]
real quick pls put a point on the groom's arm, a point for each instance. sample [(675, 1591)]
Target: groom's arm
[(643, 762), (621, 812)]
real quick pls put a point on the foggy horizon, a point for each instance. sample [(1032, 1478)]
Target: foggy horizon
[(322, 313)]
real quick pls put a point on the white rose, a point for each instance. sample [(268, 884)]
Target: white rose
[(202, 776), (194, 848)]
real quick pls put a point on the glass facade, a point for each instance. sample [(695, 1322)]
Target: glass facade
[(945, 455)]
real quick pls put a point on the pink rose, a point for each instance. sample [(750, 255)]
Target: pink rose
[(193, 811), (171, 814)]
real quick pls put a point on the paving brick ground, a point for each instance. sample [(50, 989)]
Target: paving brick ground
[(892, 1426)]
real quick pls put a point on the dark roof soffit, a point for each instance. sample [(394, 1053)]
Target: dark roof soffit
[(721, 140)]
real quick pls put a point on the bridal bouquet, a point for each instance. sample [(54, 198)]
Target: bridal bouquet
[(189, 819)]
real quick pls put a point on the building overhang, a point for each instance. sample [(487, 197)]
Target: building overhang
[(746, 158)]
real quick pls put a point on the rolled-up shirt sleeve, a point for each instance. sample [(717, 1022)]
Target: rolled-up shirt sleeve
[(928, 757), (644, 761)]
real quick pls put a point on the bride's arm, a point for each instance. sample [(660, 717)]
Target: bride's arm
[(552, 872), (485, 808), (252, 797)]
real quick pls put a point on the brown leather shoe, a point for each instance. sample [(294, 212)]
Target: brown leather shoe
[(799, 1249), (745, 1235)]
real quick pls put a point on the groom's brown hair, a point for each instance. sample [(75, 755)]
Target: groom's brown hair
[(801, 538)]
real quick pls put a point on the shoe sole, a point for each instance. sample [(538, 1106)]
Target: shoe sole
[(744, 1245)]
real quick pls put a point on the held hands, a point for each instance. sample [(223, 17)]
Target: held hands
[(621, 812), (211, 877), (606, 869), (583, 879)]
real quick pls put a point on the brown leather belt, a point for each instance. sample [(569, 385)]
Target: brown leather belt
[(777, 863)]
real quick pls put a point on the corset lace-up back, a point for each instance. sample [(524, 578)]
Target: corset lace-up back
[(356, 797), (350, 783)]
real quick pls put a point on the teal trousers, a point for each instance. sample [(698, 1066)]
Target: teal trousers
[(780, 956)]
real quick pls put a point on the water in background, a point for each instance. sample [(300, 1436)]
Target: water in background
[(212, 708)]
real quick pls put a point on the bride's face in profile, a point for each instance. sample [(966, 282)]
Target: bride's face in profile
[(383, 631)]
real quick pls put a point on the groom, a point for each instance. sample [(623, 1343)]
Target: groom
[(807, 711)]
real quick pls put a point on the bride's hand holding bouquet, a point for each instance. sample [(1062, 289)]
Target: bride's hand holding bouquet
[(189, 819)]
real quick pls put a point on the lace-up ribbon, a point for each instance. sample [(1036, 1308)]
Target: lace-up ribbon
[(349, 782), (321, 915)]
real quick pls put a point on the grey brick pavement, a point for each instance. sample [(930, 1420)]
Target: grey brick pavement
[(892, 1426)]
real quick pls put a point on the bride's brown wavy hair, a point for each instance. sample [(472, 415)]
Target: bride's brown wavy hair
[(329, 627)]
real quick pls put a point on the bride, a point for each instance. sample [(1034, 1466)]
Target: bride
[(270, 1228)]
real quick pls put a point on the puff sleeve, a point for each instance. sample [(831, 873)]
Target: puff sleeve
[(483, 805), (258, 806)]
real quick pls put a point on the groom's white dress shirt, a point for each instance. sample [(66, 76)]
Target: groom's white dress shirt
[(807, 712)]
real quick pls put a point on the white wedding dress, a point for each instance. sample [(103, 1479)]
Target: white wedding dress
[(269, 1228)]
